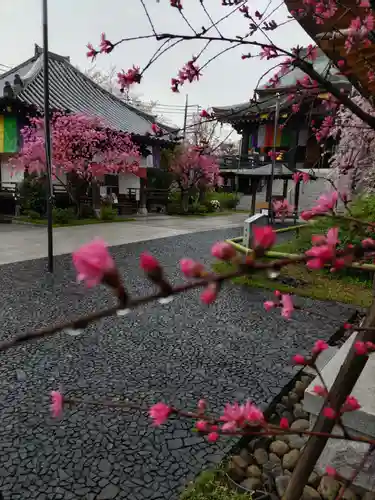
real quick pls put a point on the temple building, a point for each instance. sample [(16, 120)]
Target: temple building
[(294, 139)]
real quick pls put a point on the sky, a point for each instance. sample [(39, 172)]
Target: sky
[(73, 23)]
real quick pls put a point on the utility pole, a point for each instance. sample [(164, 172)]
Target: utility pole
[(277, 113), (47, 136), (185, 115)]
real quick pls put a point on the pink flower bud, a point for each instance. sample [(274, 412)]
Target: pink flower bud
[(148, 263), (209, 295), (351, 404), (201, 425), (57, 402), (318, 389), (360, 348), (190, 268), (277, 293), (213, 437), (92, 261), (329, 413), (268, 304), (298, 359), (284, 424), (202, 405), (319, 346), (264, 237), (223, 250), (331, 471), (159, 413)]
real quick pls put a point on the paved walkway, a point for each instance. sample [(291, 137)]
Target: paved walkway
[(178, 353), (24, 242)]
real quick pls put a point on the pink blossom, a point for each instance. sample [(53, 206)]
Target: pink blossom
[(229, 427), (319, 346), (201, 425), (351, 404), (341, 63), (92, 52), (368, 243), (298, 359), (264, 237), (213, 437), (156, 129), (204, 114), (277, 293), (57, 403), (242, 414), (105, 45), (92, 261), (347, 326), (282, 208), (131, 76), (223, 250), (252, 413), (149, 263), (160, 412), (268, 305), (329, 413), (311, 52), (320, 390), (190, 268), (202, 405), (287, 306), (284, 424), (360, 348), (295, 108), (331, 471), (209, 295)]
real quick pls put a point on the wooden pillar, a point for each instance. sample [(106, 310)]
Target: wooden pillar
[(285, 188), (292, 153), (245, 143), (142, 197), (269, 189), (254, 188), (296, 201)]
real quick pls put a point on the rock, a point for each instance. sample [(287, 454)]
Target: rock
[(261, 456), (21, 375), (273, 470), (306, 379), (299, 388), (314, 479), (293, 398), (368, 496), (349, 494), (299, 412), (109, 492), (286, 402), (279, 448), (253, 471), (260, 443), (239, 462), (245, 454), (310, 493), (280, 408), (252, 483), (235, 472), (281, 484), (274, 459), (300, 425), (297, 442), (328, 487), (287, 473), (290, 459)]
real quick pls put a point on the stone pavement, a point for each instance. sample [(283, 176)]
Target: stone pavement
[(23, 242), (176, 353)]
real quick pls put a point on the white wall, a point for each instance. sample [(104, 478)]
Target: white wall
[(127, 181)]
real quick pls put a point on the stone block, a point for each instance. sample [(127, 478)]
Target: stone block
[(250, 222)]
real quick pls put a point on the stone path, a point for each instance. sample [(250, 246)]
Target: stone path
[(23, 242), (176, 353)]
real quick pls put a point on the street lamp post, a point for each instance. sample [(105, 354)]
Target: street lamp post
[(47, 136)]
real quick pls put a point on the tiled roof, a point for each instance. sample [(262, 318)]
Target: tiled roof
[(71, 90)]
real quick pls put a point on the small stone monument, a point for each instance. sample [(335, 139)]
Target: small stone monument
[(254, 220)]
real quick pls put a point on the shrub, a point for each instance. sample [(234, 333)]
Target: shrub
[(108, 213), (33, 195), (228, 201), (31, 214), (87, 211), (63, 215)]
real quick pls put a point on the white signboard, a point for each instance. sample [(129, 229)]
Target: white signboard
[(254, 220)]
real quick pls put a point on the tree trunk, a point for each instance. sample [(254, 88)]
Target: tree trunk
[(184, 201), (343, 385)]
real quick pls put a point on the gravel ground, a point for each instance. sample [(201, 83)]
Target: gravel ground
[(177, 352)]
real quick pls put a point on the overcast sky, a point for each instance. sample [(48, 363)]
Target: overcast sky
[(73, 23)]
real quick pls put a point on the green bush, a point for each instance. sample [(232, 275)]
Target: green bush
[(228, 201), (87, 212), (108, 213), (32, 194), (31, 214), (63, 215)]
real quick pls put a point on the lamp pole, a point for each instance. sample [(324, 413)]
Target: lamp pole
[(277, 113), (47, 136)]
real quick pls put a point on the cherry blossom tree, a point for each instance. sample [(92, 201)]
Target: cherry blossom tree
[(83, 149), (193, 171)]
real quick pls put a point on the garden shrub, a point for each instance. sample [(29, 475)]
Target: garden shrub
[(107, 212), (87, 211), (228, 201), (63, 215), (31, 214), (32, 194)]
